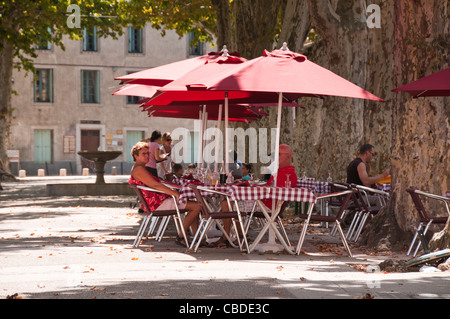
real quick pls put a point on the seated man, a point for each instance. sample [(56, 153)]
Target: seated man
[(157, 201), (284, 169), (357, 169)]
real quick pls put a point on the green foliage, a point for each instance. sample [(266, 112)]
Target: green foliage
[(196, 16), (26, 24)]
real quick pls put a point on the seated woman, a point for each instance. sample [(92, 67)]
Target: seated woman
[(158, 201)]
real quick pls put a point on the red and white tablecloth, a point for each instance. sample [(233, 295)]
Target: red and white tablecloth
[(291, 194), (246, 193), (384, 187), (447, 194), (317, 187), (186, 193)]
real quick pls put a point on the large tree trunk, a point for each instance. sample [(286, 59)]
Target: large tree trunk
[(255, 26), (329, 131), (421, 130), (6, 67)]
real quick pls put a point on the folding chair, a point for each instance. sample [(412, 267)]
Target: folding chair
[(425, 218), (346, 196), (365, 209), (208, 214), (336, 202), (155, 216)]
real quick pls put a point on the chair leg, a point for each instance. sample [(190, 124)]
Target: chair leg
[(414, 239), (141, 231), (303, 233), (200, 233), (423, 234), (360, 227), (162, 228), (344, 240), (353, 224), (281, 226)]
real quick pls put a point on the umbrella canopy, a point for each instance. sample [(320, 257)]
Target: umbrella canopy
[(161, 75), (142, 90), (236, 112), (287, 72), (436, 84)]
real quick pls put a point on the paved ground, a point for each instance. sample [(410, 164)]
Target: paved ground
[(80, 247)]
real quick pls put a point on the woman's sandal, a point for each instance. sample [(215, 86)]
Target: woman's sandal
[(180, 241), (220, 243)]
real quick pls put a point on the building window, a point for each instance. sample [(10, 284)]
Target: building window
[(195, 48), (134, 40), (90, 86), (90, 39), (44, 44), (43, 146), (43, 86), (132, 138)]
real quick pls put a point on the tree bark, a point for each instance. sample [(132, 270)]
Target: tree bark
[(295, 24), (421, 152), (6, 68), (224, 26), (255, 26)]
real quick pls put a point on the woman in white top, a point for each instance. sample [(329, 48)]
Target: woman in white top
[(155, 153), (165, 167)]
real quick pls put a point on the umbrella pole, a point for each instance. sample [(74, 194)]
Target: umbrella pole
[(271, 244), (226, 135), (219, 120), (200, 135)]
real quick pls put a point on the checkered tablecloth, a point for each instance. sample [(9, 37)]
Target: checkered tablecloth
[(447, 194), (317, 187), (186, 193), (384, 187), (247, 193), (291, 194)]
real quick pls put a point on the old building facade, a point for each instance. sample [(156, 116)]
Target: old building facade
[(68, 106)]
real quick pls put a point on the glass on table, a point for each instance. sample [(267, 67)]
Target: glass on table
[(287, 183)]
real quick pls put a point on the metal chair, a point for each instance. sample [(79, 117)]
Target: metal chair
[(425, 219), (155, 216), (346, 196), (208, 214), (366, 209)]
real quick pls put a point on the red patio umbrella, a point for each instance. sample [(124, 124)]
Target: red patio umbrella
[(237, 112), (185, 89), (142, 90), (164, 74), (275, 76), (283, 71), (436, 84)]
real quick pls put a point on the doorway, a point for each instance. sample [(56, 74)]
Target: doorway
[(90, 141)]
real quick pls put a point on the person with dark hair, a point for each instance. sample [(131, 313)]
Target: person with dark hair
[(246, 170), (155, 155), (357, 169)]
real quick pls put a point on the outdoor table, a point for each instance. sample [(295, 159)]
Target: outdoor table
[(317, 187), (259, 193), (281, 194)]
